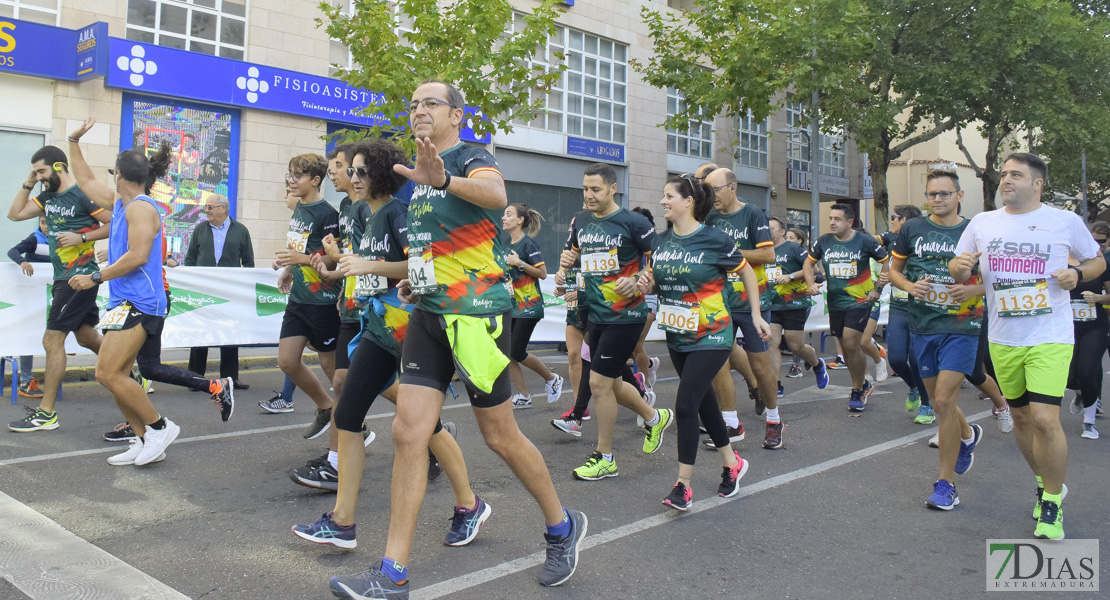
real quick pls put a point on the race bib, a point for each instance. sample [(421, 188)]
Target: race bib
[(938, 296), (773, 272), (114, 319), (1023, 298), (1081, 311), (422, 271), (600, 263), (677, 316), (297, 240), (370, 285), (571, 299), (897, 293), (842, 270)]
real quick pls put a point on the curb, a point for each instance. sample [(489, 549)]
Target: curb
[(88, 373)]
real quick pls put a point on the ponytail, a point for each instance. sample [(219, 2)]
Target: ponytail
[(532, 218), (702, 194)]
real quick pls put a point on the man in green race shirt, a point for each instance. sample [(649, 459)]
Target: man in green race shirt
[(846, 255), (73, 224)]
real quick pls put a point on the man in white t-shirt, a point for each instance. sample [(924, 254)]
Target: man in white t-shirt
[(1023, 251)]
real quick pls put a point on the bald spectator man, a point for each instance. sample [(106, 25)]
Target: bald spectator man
[(220, 241)]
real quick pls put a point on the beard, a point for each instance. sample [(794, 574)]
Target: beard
[(53, 182)]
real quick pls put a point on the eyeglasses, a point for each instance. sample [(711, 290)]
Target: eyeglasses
[(212, 207), (896, 217), (291, 177), (721, 187), (941, 195), (429, 104), (360, 172)]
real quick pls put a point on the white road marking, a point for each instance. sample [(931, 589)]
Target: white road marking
[(450, 586)]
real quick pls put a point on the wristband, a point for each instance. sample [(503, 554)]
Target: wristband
[(1077, 270), (27, 187), (83, 238), (71, 139), (446, 180)]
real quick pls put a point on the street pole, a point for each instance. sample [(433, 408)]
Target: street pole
[(1086, 217), (815, 171)]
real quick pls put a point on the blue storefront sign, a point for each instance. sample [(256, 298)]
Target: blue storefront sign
[(594, 149), (190, 75), (29, 48)]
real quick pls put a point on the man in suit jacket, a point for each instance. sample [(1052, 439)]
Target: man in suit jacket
[(220, 241)]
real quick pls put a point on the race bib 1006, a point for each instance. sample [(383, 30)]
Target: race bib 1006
[(1081, 311), (677, 316), (600, 263), (842, 270), (1022, 298)]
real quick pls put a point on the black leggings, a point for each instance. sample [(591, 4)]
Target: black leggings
[(521, 332), (979, 375), (695, 397), (373, 369), (1085, 374), (582, 400), (150, 364)]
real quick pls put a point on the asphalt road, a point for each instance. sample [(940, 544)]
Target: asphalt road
[(839, 513)]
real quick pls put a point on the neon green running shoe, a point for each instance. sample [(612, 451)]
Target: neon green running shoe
[(654, 437), (36, 420), (925, 416), (1037, 504), (1050, 526), (913, 401), (596, 468)]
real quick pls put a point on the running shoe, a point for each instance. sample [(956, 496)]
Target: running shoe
[(522, 401), (934, 442), (570, 413), (224, 397), (368, 584), (36, 420), (836, 363), (568, 425), (1050, 525), (317, 473), (156, 441), (122, 433), (1005, 420), (653, 371), (649, 397), (868, 387), (821, 372), (30, 389), (944, 496), (1089, 432), (596, 468), (554, 388), (772, 437), (731, 476), (367, 436), (277, 404), (641, 381), (653, 439), (1098, 407), (1040, 493), (913, 401), (147, 384), (132, 453), (781, 393), (1075, 406), (434, 470), (680, 498), (735, 434), (466, 522), (967, 451), (327, 531), (925, 416), (882, 371), (794, 372), (856, 401), (319, 425), (562, 552)]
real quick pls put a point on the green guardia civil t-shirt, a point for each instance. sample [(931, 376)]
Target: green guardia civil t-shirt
[(352, 222), (749, 229), (70, 211), (847, 267), (527, 298), (385, 239), (611, 247), (789, 258), (926, 248), (308, 226)]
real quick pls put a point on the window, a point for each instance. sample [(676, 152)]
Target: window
[(339, 55), (697, 138), (753, 142), (797, 147), (214, 27), (592, 95), (833, 158), (47, 12), (552, 117)]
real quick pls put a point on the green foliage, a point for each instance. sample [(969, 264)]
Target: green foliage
[(465, 42)]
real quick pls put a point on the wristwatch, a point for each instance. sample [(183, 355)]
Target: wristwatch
[(1077, 270), (446, 180), (96, 277)]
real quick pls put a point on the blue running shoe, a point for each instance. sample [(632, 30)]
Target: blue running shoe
[(326, 531), (465, 523), (821, 373), (944, 496), (369, 584), (856, 401), (967, 451), (868, 388)]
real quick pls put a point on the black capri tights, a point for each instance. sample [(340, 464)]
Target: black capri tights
[(1085, 374), (696, 398), (521, 335), (373, 370)]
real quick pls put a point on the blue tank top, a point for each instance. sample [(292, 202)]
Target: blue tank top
[(143, 287)]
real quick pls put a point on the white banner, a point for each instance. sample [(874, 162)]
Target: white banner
[(223, 306)]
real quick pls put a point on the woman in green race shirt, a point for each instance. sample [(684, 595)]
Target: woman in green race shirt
[(525, 268), (689, 264)]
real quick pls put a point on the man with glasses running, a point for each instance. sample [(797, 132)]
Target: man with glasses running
[(1022, 252)]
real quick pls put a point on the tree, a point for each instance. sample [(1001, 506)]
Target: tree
[(474, 44)]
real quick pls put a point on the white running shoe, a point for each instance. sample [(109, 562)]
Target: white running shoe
[(155, 442), (1089, 432), (128, 458), (934, 442), (881, 371), (554, 388), (649, 397), (653, 371), (522, 401), (1005, 420)]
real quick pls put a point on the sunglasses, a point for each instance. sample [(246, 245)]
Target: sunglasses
[(1101, 242), (360, 172)]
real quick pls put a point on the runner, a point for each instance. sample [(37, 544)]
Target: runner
[(380, 263), (1022, 251), (1091, 330), (748, 227), (902, 359), (846, 255), (945, 319), (609, 242), (786, 295), (525, 268), (689, 266), (647, 367), (456, 278), (568, 285), (136, 302), (73, 224), (310, 315), (797, 236)]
